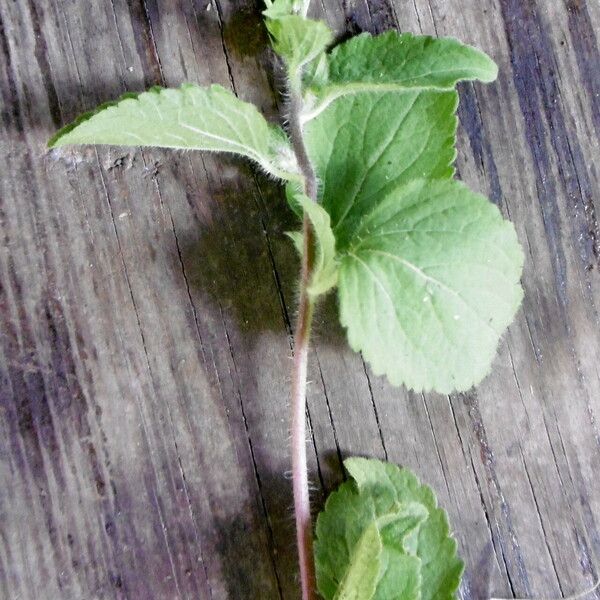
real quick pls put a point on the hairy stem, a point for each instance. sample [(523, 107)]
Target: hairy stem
[(299, 465), (301, 344)]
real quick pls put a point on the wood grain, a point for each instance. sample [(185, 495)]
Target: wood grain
[(147, 300)]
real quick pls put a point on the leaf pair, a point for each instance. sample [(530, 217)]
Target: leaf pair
[(427, 272), (383, 537)]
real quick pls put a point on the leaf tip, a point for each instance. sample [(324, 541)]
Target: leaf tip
[(487, 71), (491, 73)]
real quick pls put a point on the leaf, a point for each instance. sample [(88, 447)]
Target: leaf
[(340, 527), (417, 559), (400, 63), (428, 283), (441, 569), (325, 268), (360, 579), (298, 40), (366, 145), (409, 61), (189, 117)]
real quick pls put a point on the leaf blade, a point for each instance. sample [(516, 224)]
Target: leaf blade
[(393, 62), (409, 61), (441, 568), (418, 558), (189, 117), (426, 295)]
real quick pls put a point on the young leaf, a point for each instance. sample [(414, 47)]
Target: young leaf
[(441, 568), (325, 268), (428, 283), (409, 61), (189, 117), (348, 515), (400, 62), (417, 559), (298, 40)]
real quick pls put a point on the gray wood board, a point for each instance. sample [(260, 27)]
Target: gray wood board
[(147, 300)]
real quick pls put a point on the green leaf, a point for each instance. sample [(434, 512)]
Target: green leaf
[(360, 579), (298, 40), (340, 528), (428, 283), (325, 268), (366, 145), (417, 559), (189, 117), (441, 568), (409, 61), (400, 62)]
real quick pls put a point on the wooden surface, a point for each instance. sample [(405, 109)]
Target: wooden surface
[(146, 301)]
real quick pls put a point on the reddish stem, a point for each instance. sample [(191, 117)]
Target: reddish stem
[(299, 465), (301, 343)]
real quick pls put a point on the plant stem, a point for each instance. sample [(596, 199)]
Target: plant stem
[(301, 343), (299, 465)]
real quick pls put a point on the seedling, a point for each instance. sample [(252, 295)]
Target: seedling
[(426, 271)]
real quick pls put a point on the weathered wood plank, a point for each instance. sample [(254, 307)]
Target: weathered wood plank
[(147, 300)]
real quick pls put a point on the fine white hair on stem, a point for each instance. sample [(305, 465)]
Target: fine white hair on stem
[(314, 486)]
